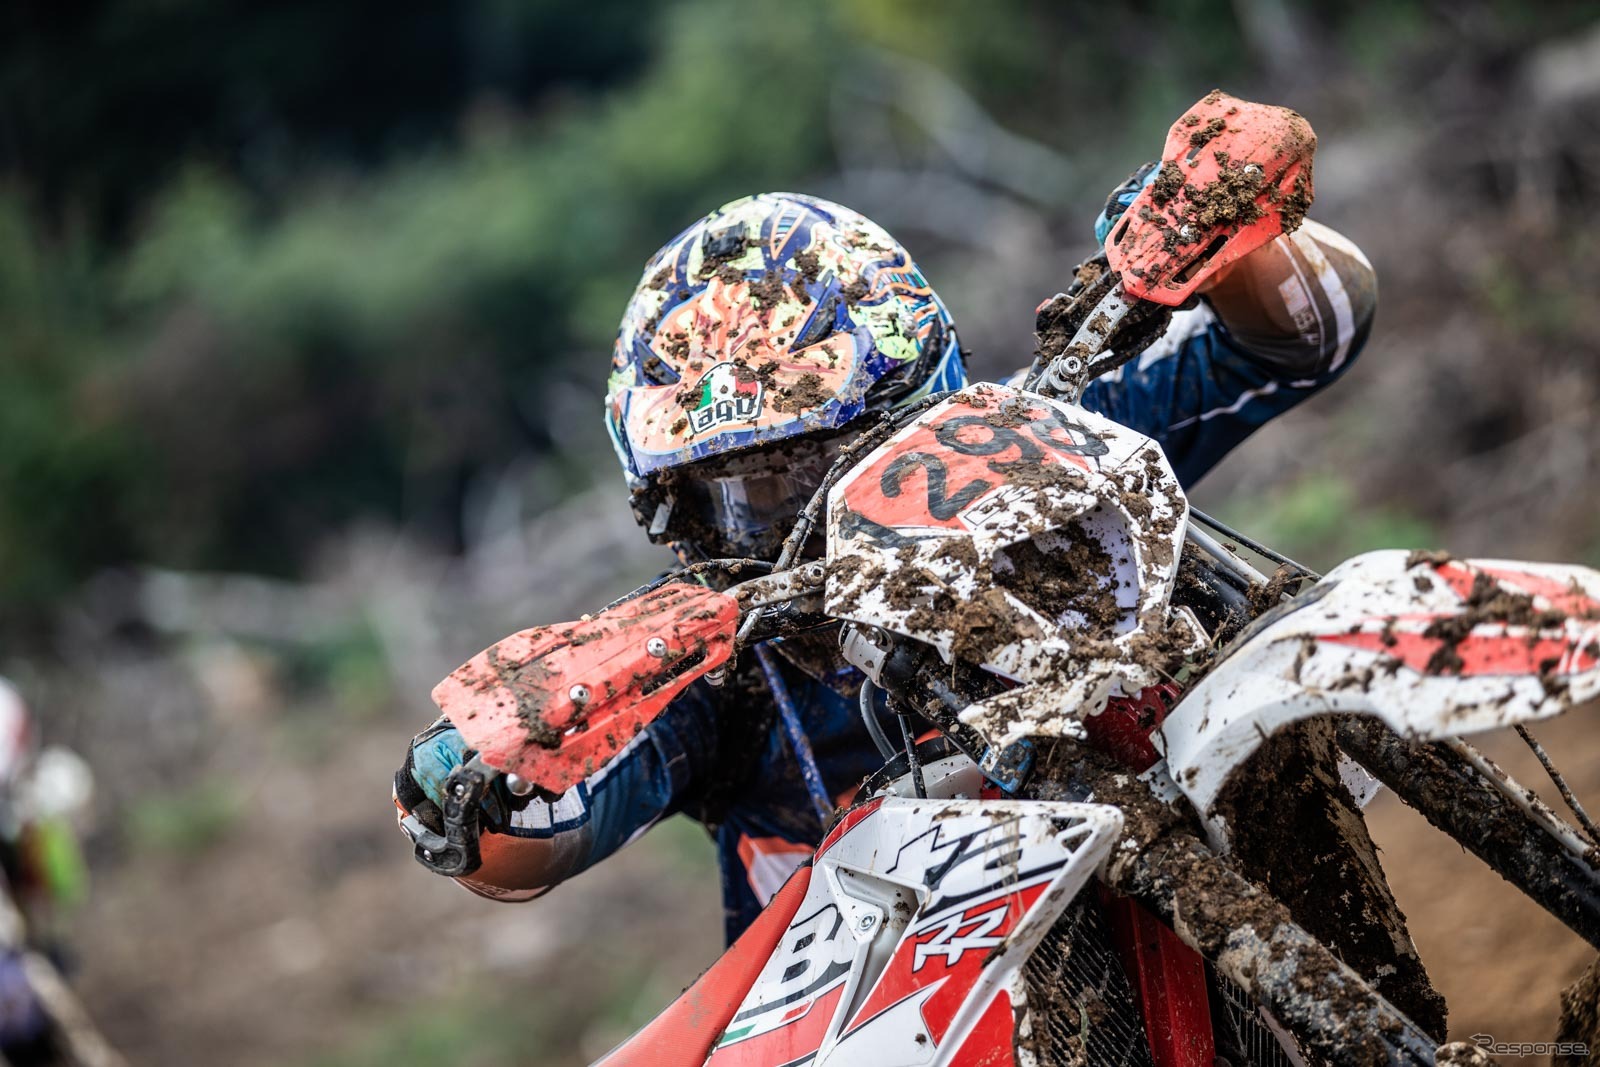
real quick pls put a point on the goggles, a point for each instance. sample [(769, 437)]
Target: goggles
[(746, 504)]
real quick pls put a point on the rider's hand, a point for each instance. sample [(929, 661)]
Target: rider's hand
[(1122, 196), (435, 752), (514, 867)]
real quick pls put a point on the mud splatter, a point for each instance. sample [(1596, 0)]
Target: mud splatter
[(1580, 1015), (719, 261), (808, 265), (1487, 602), (807, 393), (1298, 202), (769, 290), (1073, 577), (1205, 134), (1168, 184)]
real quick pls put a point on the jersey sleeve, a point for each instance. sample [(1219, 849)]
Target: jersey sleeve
[(1284, 323)]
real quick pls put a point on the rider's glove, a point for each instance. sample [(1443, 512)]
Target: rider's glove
[(419, 783), (436, 752), (515, 866), (1121, 197), (433, 755)]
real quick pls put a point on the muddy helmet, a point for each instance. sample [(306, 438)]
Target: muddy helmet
[(754, 338)]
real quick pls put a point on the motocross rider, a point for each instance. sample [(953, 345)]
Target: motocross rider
[(758, 341), (42, 873)]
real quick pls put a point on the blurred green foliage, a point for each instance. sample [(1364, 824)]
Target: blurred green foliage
[(185, 821), (269, 269), (1321, 520)]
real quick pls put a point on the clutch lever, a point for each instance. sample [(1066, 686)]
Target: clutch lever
[(1117, 327)]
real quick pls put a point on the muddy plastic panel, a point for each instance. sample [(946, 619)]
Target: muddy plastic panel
[(1433, 647), (942, 533), (555, 703), (1234, 175), (919, 918)]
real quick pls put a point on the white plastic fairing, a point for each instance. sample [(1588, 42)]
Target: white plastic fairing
[(1434, 647), (909, 944), (1032, 537)]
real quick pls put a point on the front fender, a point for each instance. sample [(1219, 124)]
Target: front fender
[(1434, 647)]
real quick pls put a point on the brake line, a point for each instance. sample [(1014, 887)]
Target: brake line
[(1561, 783), (789, 716), (869, 715), (1253, 545)]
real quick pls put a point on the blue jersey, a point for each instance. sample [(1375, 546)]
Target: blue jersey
[(1291, 328)]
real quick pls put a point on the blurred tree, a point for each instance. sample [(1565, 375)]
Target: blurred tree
[(266, 367), (64, 469), (99, 98), (268, 269)]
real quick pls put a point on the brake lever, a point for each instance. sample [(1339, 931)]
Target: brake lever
[(770, 594), (1082, 359)]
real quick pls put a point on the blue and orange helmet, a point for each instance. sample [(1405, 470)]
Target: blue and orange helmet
[(765, 327)]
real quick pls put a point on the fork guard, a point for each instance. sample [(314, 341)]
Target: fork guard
[(1249, 936), (1461, 801)]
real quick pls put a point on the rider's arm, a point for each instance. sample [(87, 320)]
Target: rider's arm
[(1299, 305), (1281, 324), (544, 843)]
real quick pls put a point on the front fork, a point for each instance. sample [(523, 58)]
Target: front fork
[(1173, 905)]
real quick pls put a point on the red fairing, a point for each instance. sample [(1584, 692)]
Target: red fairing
[(852, 818), (554, 703), (1123, 729), (910, 943), (991, 1040), (682, 1035), (1169, 979), (805, 1025), (1168, 976), (948, 959), (1176, 235)]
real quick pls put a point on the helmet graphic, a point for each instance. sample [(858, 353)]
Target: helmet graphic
[(776, 316)]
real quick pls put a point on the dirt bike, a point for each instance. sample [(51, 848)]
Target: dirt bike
[(1133, 832)]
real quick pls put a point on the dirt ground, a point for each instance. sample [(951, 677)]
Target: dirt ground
[(280, 946)]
